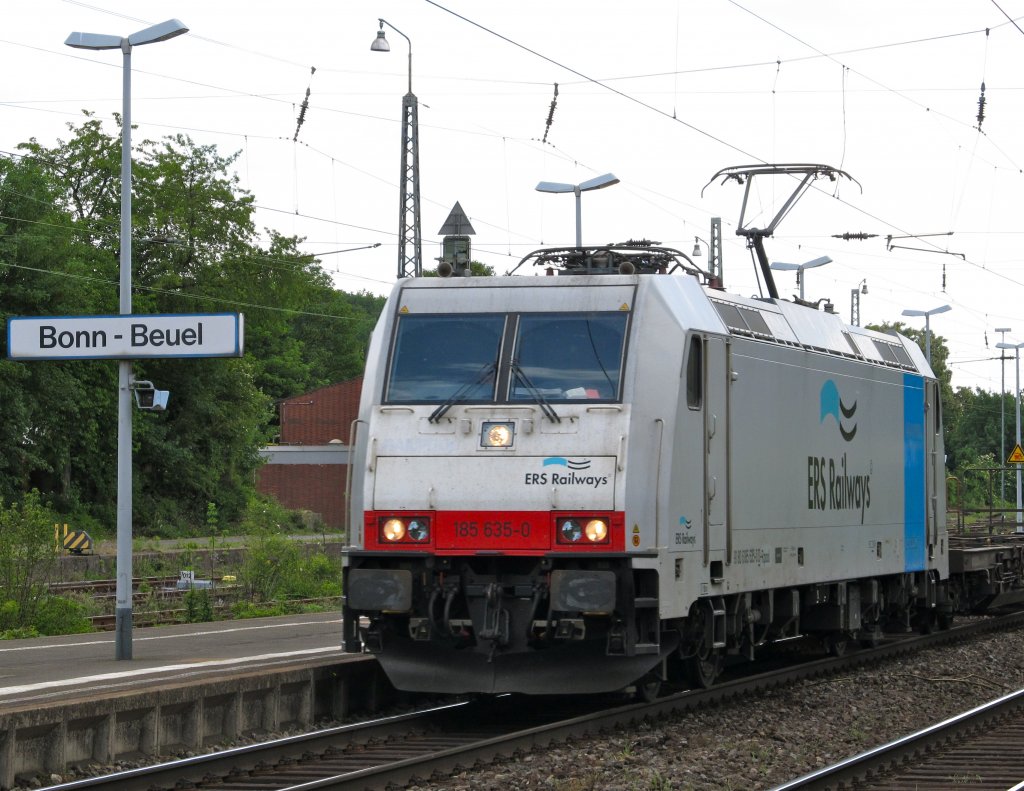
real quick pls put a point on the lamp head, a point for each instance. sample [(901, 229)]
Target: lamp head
[(380, 44), (696, 247), (598, 182)]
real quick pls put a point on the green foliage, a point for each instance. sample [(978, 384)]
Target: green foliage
[(19, 633), (319, 576), (266, 515), (198, 608), (27, 557), (196, 249), (59, 615), (246, 609), (270, 564), (9, 615), (275, 569)]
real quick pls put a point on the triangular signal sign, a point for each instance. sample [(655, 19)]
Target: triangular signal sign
[(1016, 456)]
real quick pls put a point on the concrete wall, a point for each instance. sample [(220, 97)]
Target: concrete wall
[(164, 720)]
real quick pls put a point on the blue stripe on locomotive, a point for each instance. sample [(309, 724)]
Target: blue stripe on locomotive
[(914, 495)]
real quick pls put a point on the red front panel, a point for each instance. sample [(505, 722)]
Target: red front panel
[(512, 532)]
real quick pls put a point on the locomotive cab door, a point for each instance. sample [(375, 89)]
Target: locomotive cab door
[(716, 461)]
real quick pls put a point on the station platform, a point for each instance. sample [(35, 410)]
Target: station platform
[(48, 670), (67, 701)]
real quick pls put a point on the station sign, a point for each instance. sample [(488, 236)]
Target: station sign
[(128, 337)]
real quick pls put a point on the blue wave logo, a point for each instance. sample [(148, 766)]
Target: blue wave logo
[(572, 464), (832, 404)]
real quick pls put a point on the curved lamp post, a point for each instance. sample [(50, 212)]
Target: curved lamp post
[(599, 182), (98, 41), (409, 193)]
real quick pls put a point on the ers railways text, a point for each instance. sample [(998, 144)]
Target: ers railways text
[(140, 336)]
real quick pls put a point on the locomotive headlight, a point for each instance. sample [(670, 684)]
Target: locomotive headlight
[(570, 530), (497, 435), (404, 530), (596, 530), (418, 530), (582, 530), (393, 530)]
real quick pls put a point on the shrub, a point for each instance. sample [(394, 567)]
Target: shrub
[(28, 558), (198, 608), (58, 615)]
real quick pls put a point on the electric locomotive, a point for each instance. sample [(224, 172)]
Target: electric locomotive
[(617, 473)]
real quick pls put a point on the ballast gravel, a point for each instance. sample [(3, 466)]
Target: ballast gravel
[(745, 745), (772, 737)]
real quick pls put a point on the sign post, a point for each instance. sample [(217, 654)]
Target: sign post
[(126, 337)]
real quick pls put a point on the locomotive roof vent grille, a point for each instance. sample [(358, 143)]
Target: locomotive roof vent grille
[(853, 345), (894, 355), (745, 321)]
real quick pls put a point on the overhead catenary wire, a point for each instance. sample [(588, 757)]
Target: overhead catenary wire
[(506, 223)]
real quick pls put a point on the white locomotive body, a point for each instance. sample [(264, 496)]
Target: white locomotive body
[(581, 482)]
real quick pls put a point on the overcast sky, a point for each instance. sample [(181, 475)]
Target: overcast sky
[(662, 94)]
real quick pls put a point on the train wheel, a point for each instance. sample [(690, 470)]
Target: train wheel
[(704, 667)]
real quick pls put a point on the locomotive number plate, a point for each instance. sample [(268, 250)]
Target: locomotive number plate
[(506, 530)]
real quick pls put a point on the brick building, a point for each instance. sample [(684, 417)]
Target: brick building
[(307, 467)]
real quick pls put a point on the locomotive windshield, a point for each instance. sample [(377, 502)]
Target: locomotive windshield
[(568, 356), (460, 358), (436, 357)]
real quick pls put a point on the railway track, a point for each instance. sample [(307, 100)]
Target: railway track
[(160, 589), (400, 749), (107, 623), (979, 749)]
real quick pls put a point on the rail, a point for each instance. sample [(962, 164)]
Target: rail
[(919, 748), (397, 749)]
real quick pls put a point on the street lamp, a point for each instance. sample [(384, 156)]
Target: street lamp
[(783, 267), (98, 41), (1002, 411), (409, 178), (599, 182), (1016, 351), (927, 326)]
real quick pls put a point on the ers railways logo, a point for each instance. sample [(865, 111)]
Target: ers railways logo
[(573, 472), (831, 483), (832, 404)]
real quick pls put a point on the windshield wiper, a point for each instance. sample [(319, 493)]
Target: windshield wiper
[(485, 372), (538, 397)]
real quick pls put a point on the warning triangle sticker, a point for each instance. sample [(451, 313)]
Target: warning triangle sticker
[(1016, 456)]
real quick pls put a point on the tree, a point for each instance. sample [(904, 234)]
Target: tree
[(195, 249)]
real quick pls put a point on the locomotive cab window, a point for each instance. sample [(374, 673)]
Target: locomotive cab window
[(567, 356), (440, 357)]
